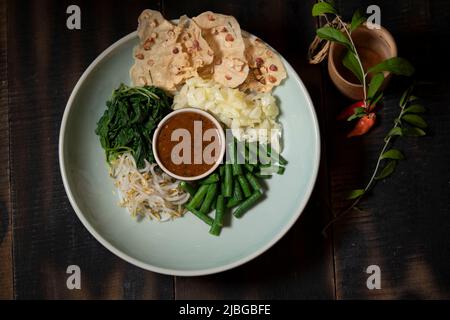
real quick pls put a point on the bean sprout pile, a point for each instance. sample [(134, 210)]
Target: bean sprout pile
[(147, 192)]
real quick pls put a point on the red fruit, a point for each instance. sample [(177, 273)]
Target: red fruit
[(363, 125)]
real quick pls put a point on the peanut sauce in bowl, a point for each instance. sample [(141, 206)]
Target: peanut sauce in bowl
[(189, 144)]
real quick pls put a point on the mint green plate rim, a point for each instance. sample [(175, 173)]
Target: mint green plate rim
[(172, 271)]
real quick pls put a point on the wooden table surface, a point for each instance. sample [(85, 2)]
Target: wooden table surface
[(405, 224)]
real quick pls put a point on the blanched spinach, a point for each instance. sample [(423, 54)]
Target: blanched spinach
[(129, 121)]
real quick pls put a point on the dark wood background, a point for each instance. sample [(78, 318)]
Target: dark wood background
[(405, 225)]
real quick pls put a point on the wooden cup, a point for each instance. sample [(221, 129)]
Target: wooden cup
[(373, 45)]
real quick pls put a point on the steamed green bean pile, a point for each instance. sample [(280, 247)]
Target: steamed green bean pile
[(234, 187)]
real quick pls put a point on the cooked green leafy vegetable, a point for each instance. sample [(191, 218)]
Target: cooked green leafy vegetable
[(129, 121)]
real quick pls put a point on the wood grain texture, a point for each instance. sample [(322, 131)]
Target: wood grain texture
[(6, 261), (45, 61), (405, 225), (300, 266)]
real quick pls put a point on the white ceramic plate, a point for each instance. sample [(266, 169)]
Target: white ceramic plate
[(182, 247)]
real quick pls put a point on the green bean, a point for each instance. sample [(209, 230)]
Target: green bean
[(231, 148), (228, 181), (275, 155), (281, 169), (263, 176), (245, 186), (233, 202), (198, 197), (253, 182), (237, 197), (272, 157), (237, 169), (215, 230), (238, 149), (261, 156), (210, 195), (222, 187), (247, 204), (273, 168), (188, 188), (237, 192), (249, 167), (206, 219), (253, 153), (213, 202), (222, 171), (212, 178), (218, 218), (220, 210), (249, 157)]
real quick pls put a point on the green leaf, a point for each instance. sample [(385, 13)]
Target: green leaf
[(415, 108), (387, 171), (354, 194), (129, 121), (359, 110), (322, 8), (351, 63), (406, 96), (413, 98), (415, 120), (356, 116), (397, 131), (375, 84), (395, 65), (373, 101), (358, 113), (357, 19), (393, 154), (413, 132), (332, 34)]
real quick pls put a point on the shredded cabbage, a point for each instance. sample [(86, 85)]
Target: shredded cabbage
[(244, 113), (147, 192)]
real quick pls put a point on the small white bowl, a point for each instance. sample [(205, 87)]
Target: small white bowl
[(221, 138)]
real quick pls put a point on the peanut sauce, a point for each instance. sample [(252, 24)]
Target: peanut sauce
[(197, 125)]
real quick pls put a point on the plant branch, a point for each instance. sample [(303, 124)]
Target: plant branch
[(372, 180), (357, 58)]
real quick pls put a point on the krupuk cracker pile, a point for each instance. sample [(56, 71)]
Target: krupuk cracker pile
[(210, 45)]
